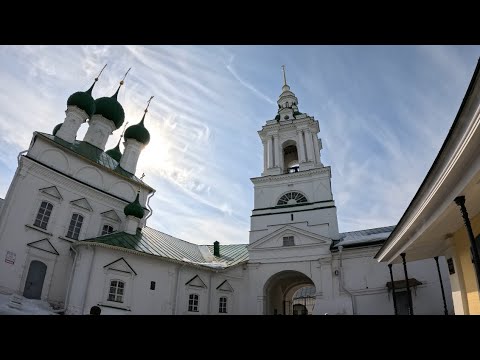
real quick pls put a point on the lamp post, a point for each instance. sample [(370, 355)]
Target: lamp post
[(460, 201), (393, 290), (410, 302)]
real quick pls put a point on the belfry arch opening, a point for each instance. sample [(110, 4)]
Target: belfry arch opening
[(289, 293), (290, 156)]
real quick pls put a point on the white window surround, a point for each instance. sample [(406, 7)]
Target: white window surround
[(127, 279), (36, 206)]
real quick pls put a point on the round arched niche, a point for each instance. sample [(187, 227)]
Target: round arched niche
[(55, 159)]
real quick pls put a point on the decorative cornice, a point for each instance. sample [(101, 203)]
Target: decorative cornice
[(293, 124), (95, 164), (51, 175), (295, 175)]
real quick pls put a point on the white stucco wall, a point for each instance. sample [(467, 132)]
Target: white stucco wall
[(171, 292), (17, 224)]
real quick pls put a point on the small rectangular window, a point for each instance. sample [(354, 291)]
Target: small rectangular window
[(288, 241), (451, 267), (193, 303), (152, 285), (75, 226), (116, 292), (222, 305), (107, 229), (43, 215), (291, 217)]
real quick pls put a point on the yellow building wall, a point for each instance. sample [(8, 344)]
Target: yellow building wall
[(462, 248)]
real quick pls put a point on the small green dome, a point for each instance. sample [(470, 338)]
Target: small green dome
[(134, 209), (110, 109), (138, 132), (115, 153), (56, 128), (83, 100)]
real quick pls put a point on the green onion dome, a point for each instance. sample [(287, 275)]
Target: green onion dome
[(115, 153), (134, 209), (83, 100), (56, 128), (138, 132), (110, 109)]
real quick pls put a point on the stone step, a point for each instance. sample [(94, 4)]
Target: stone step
[(15, 301)]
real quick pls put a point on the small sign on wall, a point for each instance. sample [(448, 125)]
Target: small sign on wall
[(10, 257)]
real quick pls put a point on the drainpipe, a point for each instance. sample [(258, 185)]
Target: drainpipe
[(354, 307), (67, 295), (20, 155), (89, 279), (175, 304), (148, 206)]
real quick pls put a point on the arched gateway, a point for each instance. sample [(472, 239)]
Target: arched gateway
[(279, 293)]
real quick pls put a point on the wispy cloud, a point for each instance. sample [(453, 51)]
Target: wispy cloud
[(383, 118), (232, 71)]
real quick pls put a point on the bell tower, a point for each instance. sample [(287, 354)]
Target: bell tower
[(295, 187), (290, 140)]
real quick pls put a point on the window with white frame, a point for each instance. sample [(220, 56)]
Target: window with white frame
[(222, 305), (193, 303), (107, 229), (288, 241), (75, 226), (43, 215), (116, 291)]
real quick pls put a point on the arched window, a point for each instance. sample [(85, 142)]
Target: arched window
[(222, 305), (292, 198), (43, 215), (75, 226), (193, 303), (107, 229), (117, 289)]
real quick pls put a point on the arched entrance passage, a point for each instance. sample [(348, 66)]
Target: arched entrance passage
[(280, 289)]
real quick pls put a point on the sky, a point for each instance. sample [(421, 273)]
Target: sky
[(384, 112)]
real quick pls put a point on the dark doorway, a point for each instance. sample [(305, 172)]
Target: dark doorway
[(35, 279), (402, 302), (300, 309)]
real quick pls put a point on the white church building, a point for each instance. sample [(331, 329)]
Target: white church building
[(73, 232)]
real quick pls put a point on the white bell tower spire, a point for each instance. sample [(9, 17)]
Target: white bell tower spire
[(290, 140), (294, 187)]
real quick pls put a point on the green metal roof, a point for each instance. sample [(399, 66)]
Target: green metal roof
[(231, 254), (154, 242), (94, 154)]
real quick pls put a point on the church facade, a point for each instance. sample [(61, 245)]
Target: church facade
[(73, 232)]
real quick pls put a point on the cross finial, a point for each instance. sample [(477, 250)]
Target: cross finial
[(100, 73), (124, 76), (124, 127), (148, 103), (284, 76)]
